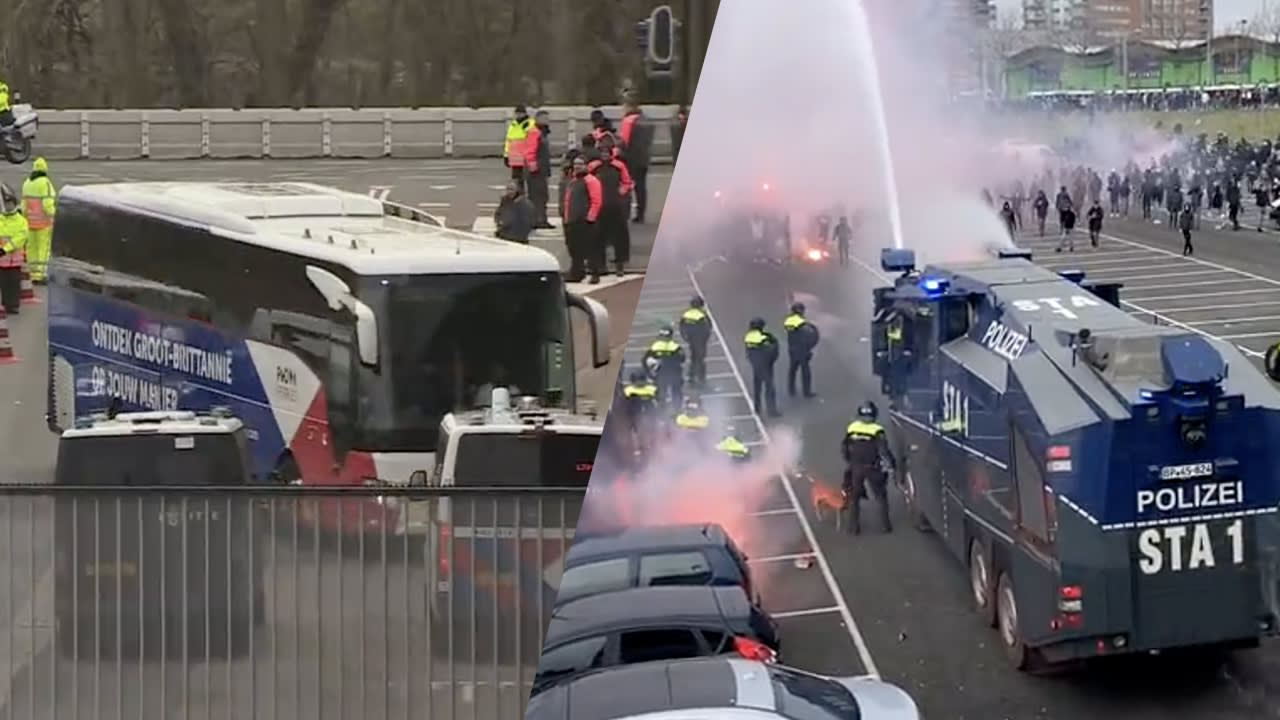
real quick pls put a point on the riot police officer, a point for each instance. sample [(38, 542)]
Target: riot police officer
[(695, 329), (802, 338), (733, 448), (693, 422), (641, 408), (762, 353), (665, 358), (868, 462)]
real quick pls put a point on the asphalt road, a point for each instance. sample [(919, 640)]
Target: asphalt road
[(381, 651), (906, 594)]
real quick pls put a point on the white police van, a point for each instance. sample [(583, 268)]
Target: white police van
[(154, 448), (144, 566)]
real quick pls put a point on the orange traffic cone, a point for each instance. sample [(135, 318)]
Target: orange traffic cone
[(7, 354), (28, 294)]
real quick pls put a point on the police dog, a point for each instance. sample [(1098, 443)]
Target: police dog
[(828, 501)]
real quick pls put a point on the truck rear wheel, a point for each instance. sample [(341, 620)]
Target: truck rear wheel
[(1007, 624), (918, 518), (981, 589)]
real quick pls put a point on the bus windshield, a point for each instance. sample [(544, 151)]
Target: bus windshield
[(538, 459), (446, 340)]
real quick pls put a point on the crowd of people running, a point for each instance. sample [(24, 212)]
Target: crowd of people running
[(1197, 178)]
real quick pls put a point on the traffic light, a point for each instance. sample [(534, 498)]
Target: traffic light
[(662, 36)]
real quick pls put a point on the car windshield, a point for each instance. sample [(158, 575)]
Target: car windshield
[(205, 459), (801, 696), (533, 459), (446, 340)]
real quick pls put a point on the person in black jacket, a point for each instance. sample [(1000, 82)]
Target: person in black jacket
[(802, 339), (580, 203), (615, 184), (762, 354), (636, 134)]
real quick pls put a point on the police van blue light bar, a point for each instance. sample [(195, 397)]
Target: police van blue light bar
[(1013, 254), (934, 285), (897, 260), (1075, 276)]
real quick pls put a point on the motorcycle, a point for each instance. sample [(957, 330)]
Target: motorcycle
[(16, 139)]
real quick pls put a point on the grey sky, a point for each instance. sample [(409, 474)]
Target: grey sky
[(1226, 12)]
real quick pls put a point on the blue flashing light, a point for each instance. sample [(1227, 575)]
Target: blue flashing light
[(933, 286), (897, 260), (1147, 395)]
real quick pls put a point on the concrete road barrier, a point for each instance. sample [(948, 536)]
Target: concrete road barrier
[(308, 133)]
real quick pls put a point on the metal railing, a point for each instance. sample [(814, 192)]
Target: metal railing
[(266, 603), (309, 132)]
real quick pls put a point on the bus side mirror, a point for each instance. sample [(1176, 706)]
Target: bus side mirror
[(598, 320), (337, 293)]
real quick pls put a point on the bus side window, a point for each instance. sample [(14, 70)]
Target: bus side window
[(340, 393)]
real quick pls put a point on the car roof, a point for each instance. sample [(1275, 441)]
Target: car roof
[(650, 687), (643, 608), (645, 538)]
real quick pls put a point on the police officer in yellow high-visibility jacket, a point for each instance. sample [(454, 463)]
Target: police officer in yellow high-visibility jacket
[(513, 149), (39, 204), (693, 423), (6, 109), (802, 339), (868, 462), (733, 448), (13, 246), (695, 328)]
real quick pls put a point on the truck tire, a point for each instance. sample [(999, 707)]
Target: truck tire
[(981, 589)]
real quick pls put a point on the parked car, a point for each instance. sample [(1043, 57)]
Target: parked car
[(660, 623), (701, 554), (724, 687)]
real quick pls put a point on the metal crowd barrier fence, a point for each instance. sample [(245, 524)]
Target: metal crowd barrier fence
[(275, 603), (308, 132)]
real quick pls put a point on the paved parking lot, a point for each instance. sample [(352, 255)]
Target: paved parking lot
[(799, 589), (1192, 293)]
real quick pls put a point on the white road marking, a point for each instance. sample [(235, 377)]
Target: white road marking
[(842, 605), (771, 513), (778, 558), (815, 611)]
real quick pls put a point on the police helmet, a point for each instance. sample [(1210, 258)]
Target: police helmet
[(697, 301), (868, 411), (757, 323), (40, 165), (638, 376), (664, 331), (9, 199), (797, 308)]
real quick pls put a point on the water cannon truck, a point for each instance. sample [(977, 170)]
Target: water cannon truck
[(1111, 485)]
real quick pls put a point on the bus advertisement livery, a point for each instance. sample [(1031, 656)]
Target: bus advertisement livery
[(339, 328)]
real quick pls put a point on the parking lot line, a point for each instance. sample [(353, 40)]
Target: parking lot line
[(820, 611), (841, 606), (790, 557), (778, 511), (1139, 305)]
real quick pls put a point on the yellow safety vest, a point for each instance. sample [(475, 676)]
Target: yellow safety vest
[(692, 422), (693, 315), (664, 347), (513, 149), (13, 238), (733, 446), (647, 390), (38, 202), (793, 321), (895, 333), (861, 429), (755, 338)]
